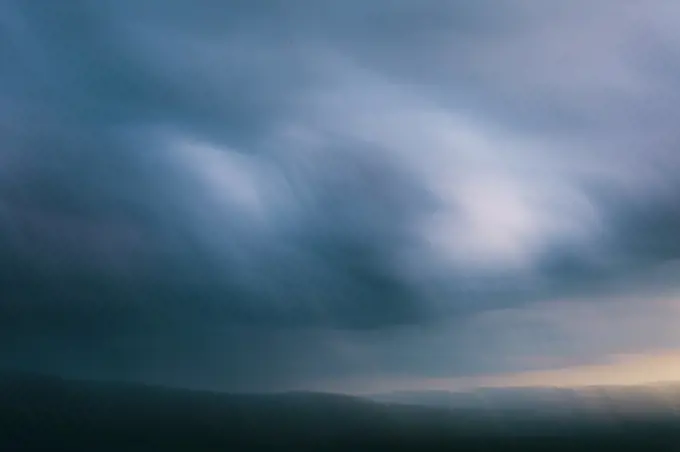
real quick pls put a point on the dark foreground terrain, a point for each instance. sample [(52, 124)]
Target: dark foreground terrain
[(50, 414)]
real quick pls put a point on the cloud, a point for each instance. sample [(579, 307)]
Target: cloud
[(320, 181)]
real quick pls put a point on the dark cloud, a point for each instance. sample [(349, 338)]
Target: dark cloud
[(242, 193)]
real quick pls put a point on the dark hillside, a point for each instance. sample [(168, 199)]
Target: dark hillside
[(46, 413)]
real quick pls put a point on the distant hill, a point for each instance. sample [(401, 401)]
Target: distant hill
[(39, 413)]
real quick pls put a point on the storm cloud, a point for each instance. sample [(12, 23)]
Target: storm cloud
[(252, 197)]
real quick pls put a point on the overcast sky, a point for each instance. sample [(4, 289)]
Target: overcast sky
[(322, 194)]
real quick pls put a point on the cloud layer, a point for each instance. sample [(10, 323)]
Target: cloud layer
[(254, 197)]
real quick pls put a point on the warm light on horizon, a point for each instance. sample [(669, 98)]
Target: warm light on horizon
[(620, 370), (623, 370)]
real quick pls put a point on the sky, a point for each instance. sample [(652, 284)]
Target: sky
[(258, 196)]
